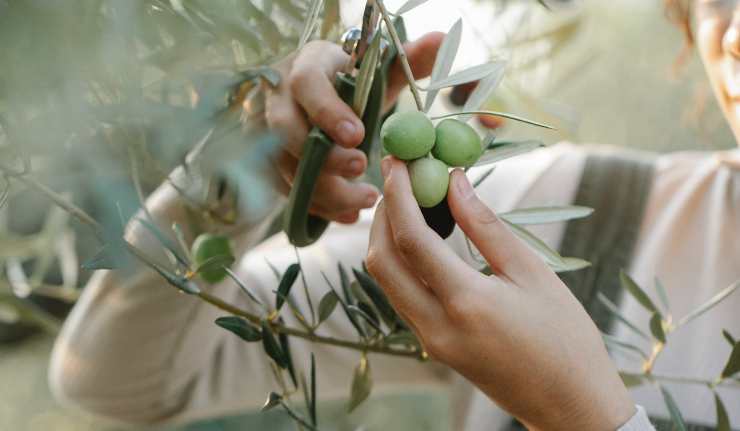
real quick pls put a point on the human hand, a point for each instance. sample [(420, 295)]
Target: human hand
[(518, 335), (307, 97)]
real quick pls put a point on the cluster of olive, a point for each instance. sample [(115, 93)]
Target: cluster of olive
[(430, 151)]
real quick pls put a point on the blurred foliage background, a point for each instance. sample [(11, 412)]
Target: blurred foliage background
[(605, 75)]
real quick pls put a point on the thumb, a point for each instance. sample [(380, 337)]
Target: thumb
[(505, 253), (421, 53)]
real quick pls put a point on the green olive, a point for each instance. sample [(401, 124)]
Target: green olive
[(207, 246), (457, 144), (429, 181), (408, 135)]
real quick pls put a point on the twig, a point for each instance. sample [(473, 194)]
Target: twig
[(401, 55)]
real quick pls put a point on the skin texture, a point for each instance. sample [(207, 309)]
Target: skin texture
[(429, 181), (408, 135), (306, 97), (718, 40), (519, 335)]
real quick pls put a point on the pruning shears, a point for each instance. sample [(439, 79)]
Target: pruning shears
[(302, 228)]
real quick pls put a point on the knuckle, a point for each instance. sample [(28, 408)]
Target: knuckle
[(438, 345), (299, 77), (461, 308)]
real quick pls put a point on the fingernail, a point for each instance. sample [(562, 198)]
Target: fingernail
[(463, 186), (385, 166), (347, 131), (354, 167)]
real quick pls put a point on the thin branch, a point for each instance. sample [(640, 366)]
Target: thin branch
[(401, 55)]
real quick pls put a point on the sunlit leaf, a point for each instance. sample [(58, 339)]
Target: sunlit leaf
[(636, 291), (507, 150), (723, 419), (465, 113), (483, 91), (409, 5), (445, 59), (550, 256), (733, 362), (716, 299), (673, 409), (656, 327), (475, 73), (327, 305), (544, 215), (366, 76), (286, 283), (273, 400), (362, 384), (272, 347), (241, 327)]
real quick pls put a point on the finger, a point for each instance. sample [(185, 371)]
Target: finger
[(312, 85), (441, 269), (287, 118), (505, 253), (422, 53), (408, 294)]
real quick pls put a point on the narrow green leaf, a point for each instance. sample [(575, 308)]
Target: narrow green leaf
[(544, 215), (366, 76), (101, 260), (468, 113), (662, 295), (272, 348), (614, 309), (241, 327), (656, 327), (273, 400), (378, 298), (733, 362), (243, 286), (636, 291), (614, 342), (409, 5), (483, 91), (730, 339), (631, 380), (445, 59), (723, 419), (545, 5), (406, 338), (357, 311), (716, 299), (312, 404), (493, 68), (478, 181), (286, 283), (285, 347), (327, 305), (673, 409), (362, 384), (550, 256), (311, 20), (222, 261), (163, 240), (507, 151), (344, 281), (569, 264), (274, 269), (345, 305)]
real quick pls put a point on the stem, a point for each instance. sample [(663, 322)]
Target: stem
[(401, 54), (684, 380)]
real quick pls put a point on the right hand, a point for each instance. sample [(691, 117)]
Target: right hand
[(306, 97)]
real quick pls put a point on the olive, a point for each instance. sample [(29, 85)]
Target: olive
[(439, 218), (408, 135), (457, 144), (429, 181), (207, 246)]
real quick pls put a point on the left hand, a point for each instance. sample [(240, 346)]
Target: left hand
[(519, 335)]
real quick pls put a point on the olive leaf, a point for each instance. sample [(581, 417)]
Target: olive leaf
[(662, 295), (733, 362), (506, 150), (730, 339), (673, 409), (478, 181), (312, 403), (163, 240), (378, 298), (636, 291), (466, 113), (556, 262), (483, 91), (285, 347), (614, 309), (406, 338), (529, 216), (409, 5), (344, 281), (243, 286), (366, 76), (345, 305), (656, 327), (445, 59), (614, 342), (716, 299), (312, 18), (241, 327), (631, 380), (286, 283), (362, 384), (493, 68), (103, 259), (723, 419), (327, 305), (272, 347), (357, 311), (221, 261)]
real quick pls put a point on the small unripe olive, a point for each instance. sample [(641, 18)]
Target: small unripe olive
[(457, 144), (408, 135), (207, 246), (429, 181)]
